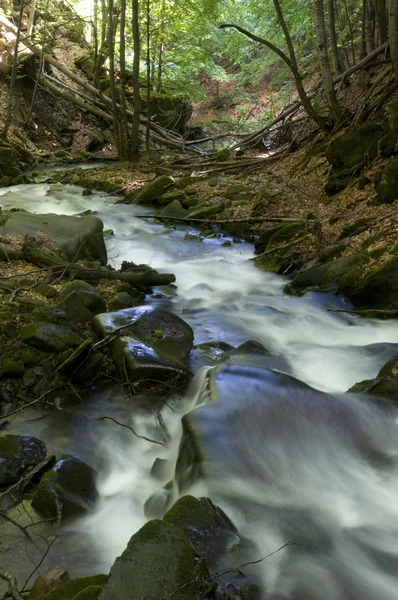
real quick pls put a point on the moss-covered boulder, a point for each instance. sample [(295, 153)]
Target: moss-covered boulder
[(172, 112), (379, 288), (47, 581), (387, 187), (173, 210), (206, 526), (205, 211), (150, 192), (71, 238), (48, 337), (384, 385), (349, 152), (81, 301), (158, 561), (68, 490), (18, 453), (71, 589)]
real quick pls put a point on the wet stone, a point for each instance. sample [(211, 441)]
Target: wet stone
[(17, 453)]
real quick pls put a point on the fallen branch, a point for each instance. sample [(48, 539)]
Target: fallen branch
[(12, 585), (221, 221)]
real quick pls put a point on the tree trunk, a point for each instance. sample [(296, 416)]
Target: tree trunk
[(324, 64), (291, 63), (381, 20), (135, 140), (393, 31), (31, 18), (160, 68), (123, 129), (363, 29), (370, 27), (348, 17), (337, 66), (148, 72), (11, 89), (111, 51)]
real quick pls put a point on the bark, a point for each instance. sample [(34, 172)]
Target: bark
[(393, 31), (31, 18), (324, 64), (337, 66), (381, 20), (349, 23), (291, 63), (111, 52), (148, 72), (363, 29), (123, 129), (135, 141), (370, 27)]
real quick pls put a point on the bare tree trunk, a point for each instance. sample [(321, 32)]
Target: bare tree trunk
[(291, 63), (363, 29), (323, 58), (337, 66), (381, 20), (135, 140), (31, 18), (349, 23), (148, 72), (370, 27), (123, 130), (111, 49), (160, 67), (13, 81), (393, 35), (41, 62)]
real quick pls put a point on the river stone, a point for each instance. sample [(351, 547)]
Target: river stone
[(206, 211), (159, 329), (75, 587), (158, 561), (48, 581), (150, 192), (17, 453), (47, 314), (169, 198), (81, 301), (68, 490), (48, 337), (72, 238), (216, 351), (379, 288), (206, 526), (174, 209)]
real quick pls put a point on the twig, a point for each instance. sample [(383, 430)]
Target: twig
[(40, 563), (18, 410)]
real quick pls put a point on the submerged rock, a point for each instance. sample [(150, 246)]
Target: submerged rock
[(68, 490), (18, 453), (158, 561)]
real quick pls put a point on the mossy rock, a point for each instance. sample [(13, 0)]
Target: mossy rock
[(261, 242), (17, 454), (169, 198), (206, 526), (387, 187), (5, 181), (68, 490), (205, 211), (356, 146), (216, 350), (287, 233), (390, 369), (172, 112), (158, 560), (11, 368), (173, 210), (45, 313), (379, 288), (380, 386), (359, 226), (81, 301), (48, 337), (70, 589), (330, 252), (337, 268), (150, 192)]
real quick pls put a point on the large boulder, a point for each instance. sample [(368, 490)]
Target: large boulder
[(72, 238), (81, 301), (150, 192), (206, 526), (350, 152), (68, 490), (158, 561), (154, 345), (379, 288), (48, 337), (18, 453)]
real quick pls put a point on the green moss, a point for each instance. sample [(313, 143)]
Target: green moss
[(90, 593), (72, 588), (9, 446), (11, 368), (187, 510)]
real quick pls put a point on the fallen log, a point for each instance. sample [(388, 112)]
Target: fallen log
[(231, 220)]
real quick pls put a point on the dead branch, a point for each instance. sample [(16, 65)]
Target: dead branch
[(12, 585), (363, 311), (221, 221)]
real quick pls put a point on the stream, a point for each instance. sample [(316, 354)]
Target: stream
[(319, 489)]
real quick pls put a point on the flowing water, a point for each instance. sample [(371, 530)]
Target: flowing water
[(287, 469)]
